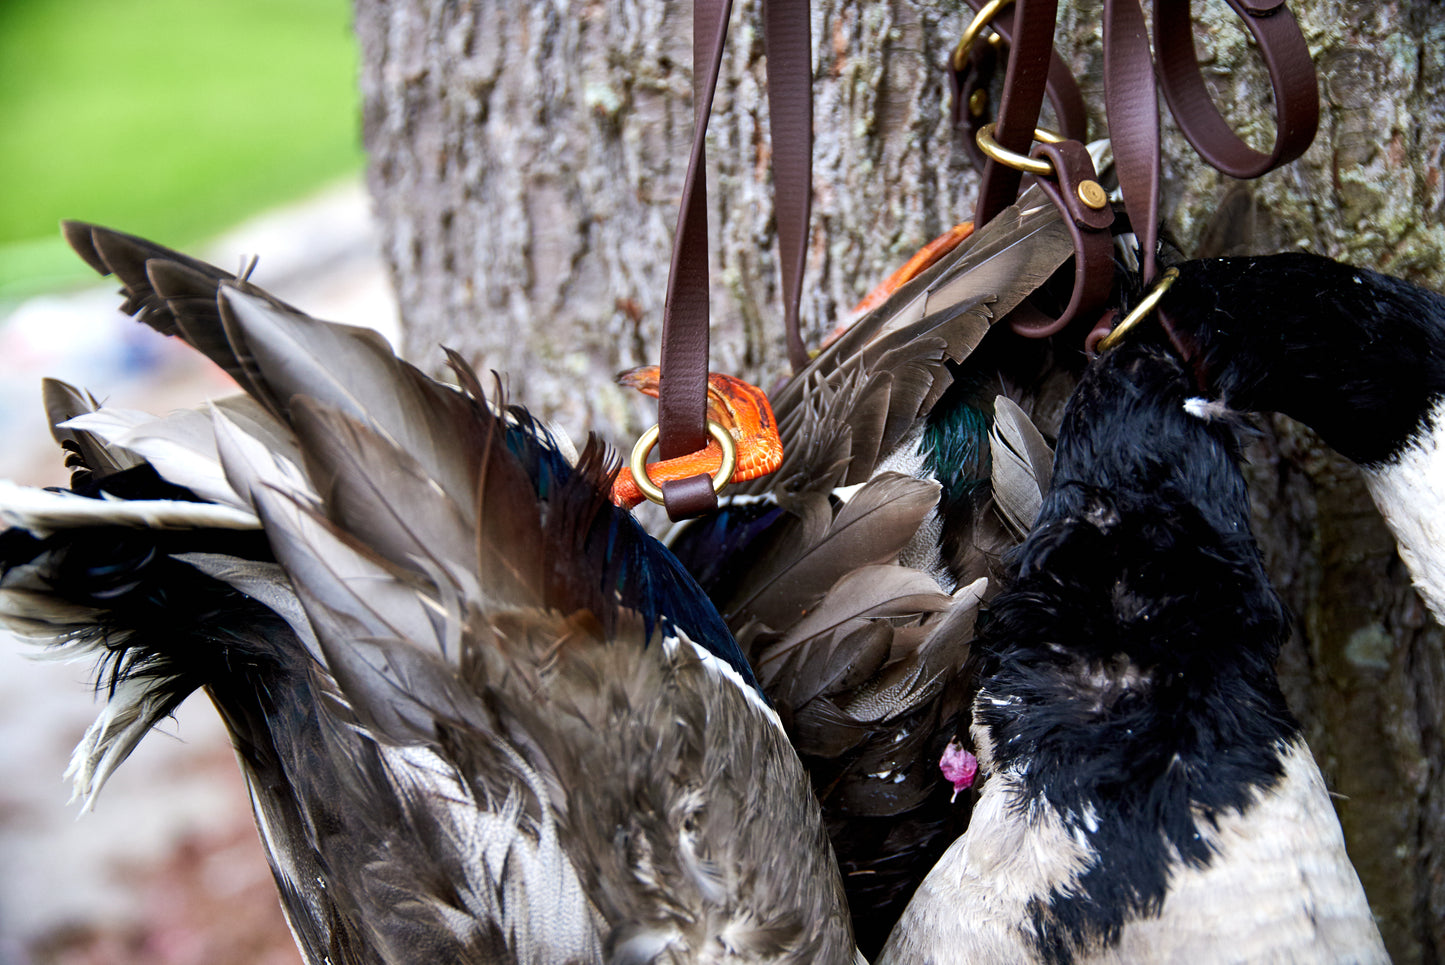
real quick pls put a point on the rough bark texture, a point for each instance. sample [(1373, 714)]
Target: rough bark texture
[(526, 160)]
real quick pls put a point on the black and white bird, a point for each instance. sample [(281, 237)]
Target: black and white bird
[(1147, 795), (1357, 356), (483, 716)]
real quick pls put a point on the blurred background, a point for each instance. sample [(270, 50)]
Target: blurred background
[(225, 130)]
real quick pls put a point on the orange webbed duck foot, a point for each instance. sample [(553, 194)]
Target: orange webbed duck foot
[(740, 408)]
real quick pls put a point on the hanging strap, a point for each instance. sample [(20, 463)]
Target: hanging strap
[(972, 69), (1131, 101), (788, 44), (1291, 77), (682, 392), (1132, 107), (682, 388), (1023, 98), (1060, 165)]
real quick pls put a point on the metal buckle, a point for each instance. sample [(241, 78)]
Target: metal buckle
[(720, 479)]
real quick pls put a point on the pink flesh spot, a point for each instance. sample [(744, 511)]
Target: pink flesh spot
[(959, 767)]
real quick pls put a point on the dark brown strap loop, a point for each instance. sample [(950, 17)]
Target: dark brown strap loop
[(1093, 241), (1291, 76), (684, 498)]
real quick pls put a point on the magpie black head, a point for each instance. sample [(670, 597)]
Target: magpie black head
[(1127, 672), (1146, 528), (1357, 356)]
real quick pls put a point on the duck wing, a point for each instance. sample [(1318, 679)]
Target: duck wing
[(484, 717)]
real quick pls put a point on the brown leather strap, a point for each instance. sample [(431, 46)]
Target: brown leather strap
[(1132, 104), (1031, 54), (788, 43), (1023, 96), (1291, 76), (682, 385), (1093, 241), (972, 79)]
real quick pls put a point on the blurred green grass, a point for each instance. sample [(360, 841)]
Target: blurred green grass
[(171, 119)]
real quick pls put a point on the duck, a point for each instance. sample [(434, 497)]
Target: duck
[(852, 575), (1145, 793), (1356, 355), (482, 715)]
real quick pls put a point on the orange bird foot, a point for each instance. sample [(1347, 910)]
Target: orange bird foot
[(740, 408)]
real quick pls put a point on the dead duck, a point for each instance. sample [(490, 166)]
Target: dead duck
[(852, 575), (1357, 356), (1147, 795), (482, 715)]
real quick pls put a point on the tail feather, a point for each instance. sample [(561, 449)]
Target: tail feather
[(117, 595), (88, 454)]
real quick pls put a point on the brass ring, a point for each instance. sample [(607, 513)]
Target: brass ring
[(1019, 162), (1145, 306), (982, 19), (720, 479)]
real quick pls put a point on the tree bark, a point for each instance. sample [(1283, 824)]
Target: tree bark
[(526, 161)]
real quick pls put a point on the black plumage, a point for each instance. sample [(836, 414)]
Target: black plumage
[(1356, 355)]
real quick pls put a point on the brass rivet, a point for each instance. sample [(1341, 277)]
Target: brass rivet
[(978, 102), (1092, 193)]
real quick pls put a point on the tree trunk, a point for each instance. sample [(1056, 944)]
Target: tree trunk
[(526, 161)]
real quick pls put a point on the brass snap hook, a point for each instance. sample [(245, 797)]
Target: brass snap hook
[(1141, 310), (720, 479), (1019, 162)]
